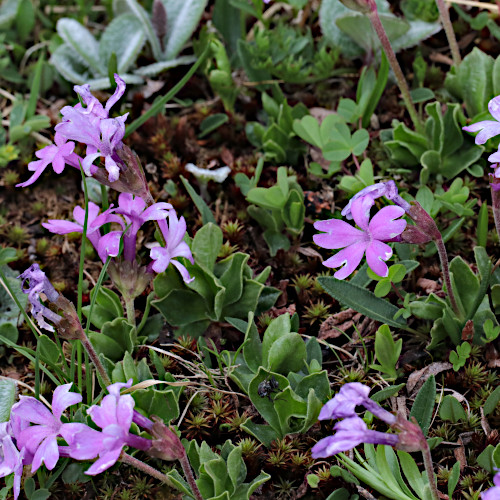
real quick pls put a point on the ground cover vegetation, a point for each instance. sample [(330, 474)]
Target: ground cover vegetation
[(249, 249)]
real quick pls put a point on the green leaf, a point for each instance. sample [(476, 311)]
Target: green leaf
[(182, 19), (492, 402), (206, 245), (423, 405), (387, 351), (206, 214), (126, 48), (116, 337), (359, 141), (7, 255), (453, 479), (48, 349), (362, 301), (82, 42), (387, 392), (482, 224), (8, 393), (212, 122), (451, 410)]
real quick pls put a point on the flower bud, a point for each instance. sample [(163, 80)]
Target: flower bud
[(424, 224), (166, 444), (130, 278), (411, 437)]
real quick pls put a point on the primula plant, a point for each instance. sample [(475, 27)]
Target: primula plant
[(249, 250)]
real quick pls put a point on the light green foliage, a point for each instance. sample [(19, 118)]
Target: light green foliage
[(217, 68), (475, 82), (276, 136), (489, 459), (395, 476), (220, 289), (277, 209), (425, 10), (288, 53), (220, 476), (387, 352), (294, 364), (160, 400), (460, 356), (470, 290), (442, 151), (397, 273), (491, 331), (342, 26)]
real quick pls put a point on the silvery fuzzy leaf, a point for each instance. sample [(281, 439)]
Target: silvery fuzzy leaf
[(182, 19), (82, 42), (104, 83), (154, 69), (8, 12), (67, 63), (127, 47)]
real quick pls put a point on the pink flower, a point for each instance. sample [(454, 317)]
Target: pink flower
[(59, 154), (487, 128), (41, 439), (355, 242), (175, 247), (493, 493)]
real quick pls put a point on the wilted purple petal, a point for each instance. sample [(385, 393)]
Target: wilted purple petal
[(119, 91)]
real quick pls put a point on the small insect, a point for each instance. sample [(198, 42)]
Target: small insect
[(268, 387)]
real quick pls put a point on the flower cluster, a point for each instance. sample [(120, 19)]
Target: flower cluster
[(32, 435), (384, 226), (353, 431), (90, 125)]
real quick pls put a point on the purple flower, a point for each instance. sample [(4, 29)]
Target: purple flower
[(39, 283), (107, 245), (59, 154), (494, 492), (350, 432), (41, 439), (11, 459), (136, 214), (113, 416), (93, 127), (175, 247), (355, 242), (345, 401), (487, 128), (387, 189)]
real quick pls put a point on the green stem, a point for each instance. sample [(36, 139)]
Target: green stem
[(95, 359), (396, 68), (444, 13), (145, 315), (443, 256), (130, 309), (426, 453)]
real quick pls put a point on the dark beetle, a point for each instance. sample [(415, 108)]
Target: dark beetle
[(268, 387)]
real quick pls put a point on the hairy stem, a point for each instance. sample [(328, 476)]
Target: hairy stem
[(396, 68), (426, 453), (188, 474), (130, 308), (443, 256), (95, 359), (450, 34), (138, 464)]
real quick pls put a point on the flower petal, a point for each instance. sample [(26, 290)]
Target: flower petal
[(360, 210), (105, 462), (376, 253), (62, 399), (494, 108), (383, 225), (47, 453), (350, 256), (338, 234)]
